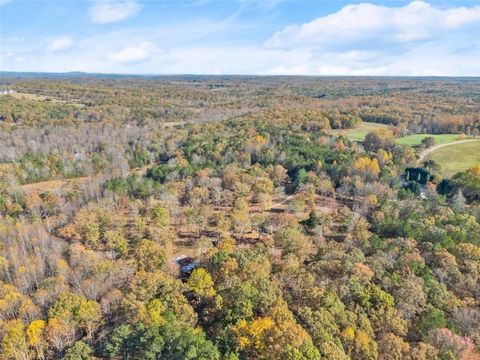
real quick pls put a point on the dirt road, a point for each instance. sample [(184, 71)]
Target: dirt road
[(288, 198)]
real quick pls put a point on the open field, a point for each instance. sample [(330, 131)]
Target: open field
[(458, 157), (26, 96), (359, 133), (416, 139), (55, 185), (40, 98)]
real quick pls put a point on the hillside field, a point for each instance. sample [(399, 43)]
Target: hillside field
[(457, 158), (359, 133), (416, 139)]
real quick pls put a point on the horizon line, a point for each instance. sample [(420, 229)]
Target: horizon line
[(66, 73)]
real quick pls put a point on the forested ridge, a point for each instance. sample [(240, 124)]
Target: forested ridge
[(229, 218)]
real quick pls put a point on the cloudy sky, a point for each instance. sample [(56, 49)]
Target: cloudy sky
[(293, 37)]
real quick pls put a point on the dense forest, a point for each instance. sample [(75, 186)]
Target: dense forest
[(231, 218)]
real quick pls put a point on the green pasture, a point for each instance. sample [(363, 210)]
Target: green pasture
[(359, 133), (416, 139), (458, 157)]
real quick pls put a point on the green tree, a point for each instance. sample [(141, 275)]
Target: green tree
[(428, 141), (300, 179), (160, 216), (293, 241), (119, 344), (78, 351), (117, 242), (431, 319), (149, 255), (72, 307), (169, 341), (200, 281)]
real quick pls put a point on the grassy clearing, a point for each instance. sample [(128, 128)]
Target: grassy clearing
[(456, 158), (41, 98), (55, 185), (416, 139), (25, 96), (359, 133)]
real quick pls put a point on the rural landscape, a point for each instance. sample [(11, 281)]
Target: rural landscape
[(239, 180), (190, 217)]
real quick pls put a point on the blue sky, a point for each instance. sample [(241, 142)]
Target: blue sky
[(293, 37)]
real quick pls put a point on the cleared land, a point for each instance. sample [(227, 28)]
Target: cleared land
[(42, 98), (359, 133), (416, 139), (457, 157), (426, 152)]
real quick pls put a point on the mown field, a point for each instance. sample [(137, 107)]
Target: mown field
[(456, 158), (416, 139), (359, 133), (453, 159)]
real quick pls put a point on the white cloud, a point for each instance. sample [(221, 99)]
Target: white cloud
[(3, 2), (355, 24), (365, 39), (134, 54), (113, 11), (60, 44), (259, 4)]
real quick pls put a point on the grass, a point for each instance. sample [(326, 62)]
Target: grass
[(456, 158), (416, 139), (37, 97), (359, 133), (25, 96), (54, 185)]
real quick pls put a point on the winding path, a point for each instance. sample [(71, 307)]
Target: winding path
[(423, 155), (288, 198)]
